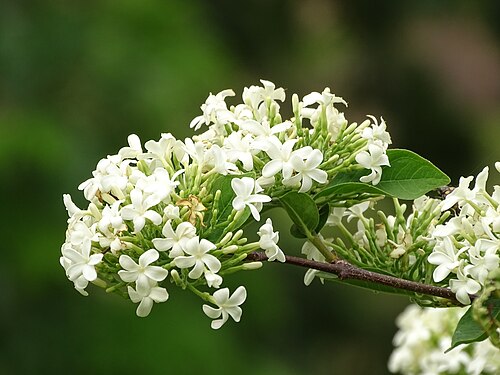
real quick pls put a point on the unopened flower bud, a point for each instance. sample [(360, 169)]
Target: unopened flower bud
[(230, 249), (251, 266), (176, 277), (225, 239)]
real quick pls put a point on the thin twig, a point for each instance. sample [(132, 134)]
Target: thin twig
[(346, 271)]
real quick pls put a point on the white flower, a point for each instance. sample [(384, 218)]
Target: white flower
[(325, 99), (146, 298), (269, 242), (171, 212), (312, 252), (198, 257), (357, 211), (240, 148), (372, 159), (446, 257), (74, 212), (213, 280), (108, 177), (463, 287), (143, 274), (335, 216), (227, 306), (79, 264), (139, 210), (377, 133), (254, 95), (79, 232), (214, 110), (197, 151), (158, 186), (174, 240), (461, 194), (111, 220), (134, 148), (218, 158), (307, 170), (280, 155), (263, 129), (244, 189), (164, 148), (483, 258)]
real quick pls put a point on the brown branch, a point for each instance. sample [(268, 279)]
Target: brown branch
[(346, 271)]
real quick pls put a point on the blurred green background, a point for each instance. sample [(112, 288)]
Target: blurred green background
[(77, 77)]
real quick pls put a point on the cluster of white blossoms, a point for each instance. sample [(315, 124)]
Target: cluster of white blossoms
[(452, 243), (423, 339), (171, 211), (467, 247)]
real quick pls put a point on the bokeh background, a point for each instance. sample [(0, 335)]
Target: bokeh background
[(77, 77)]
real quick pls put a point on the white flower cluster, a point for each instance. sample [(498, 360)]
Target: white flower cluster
[(395, 244), (424, 336), (468, 245), (172, 210)]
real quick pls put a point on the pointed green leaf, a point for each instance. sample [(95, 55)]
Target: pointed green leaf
[(468, 330), (324, 212), (302, 210), (410, 176)]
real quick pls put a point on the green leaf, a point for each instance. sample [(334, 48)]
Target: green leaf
[(468, 330), (409, 177), (302, 210), (324, 212)]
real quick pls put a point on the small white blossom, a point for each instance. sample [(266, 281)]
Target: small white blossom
[(483, 258), (213, 280), (171, 212), (461, 194), (227, 306), (281, 154), (374, 158), (165, 148), (134, 148), (174, 239), (463, 286), (240, 148), (245, 188), (198, 257), (307, 171), (107, 178), (214, 110), (263, 128), (377, 133), (446, 257), (269, 242), (80, 264), (218, 158), (253, 96), (158, 186), (139, 210), (144, 275), (146, 298)]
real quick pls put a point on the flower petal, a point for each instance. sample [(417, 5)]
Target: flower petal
[(148, 257), (144, 307), (156, 273)]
